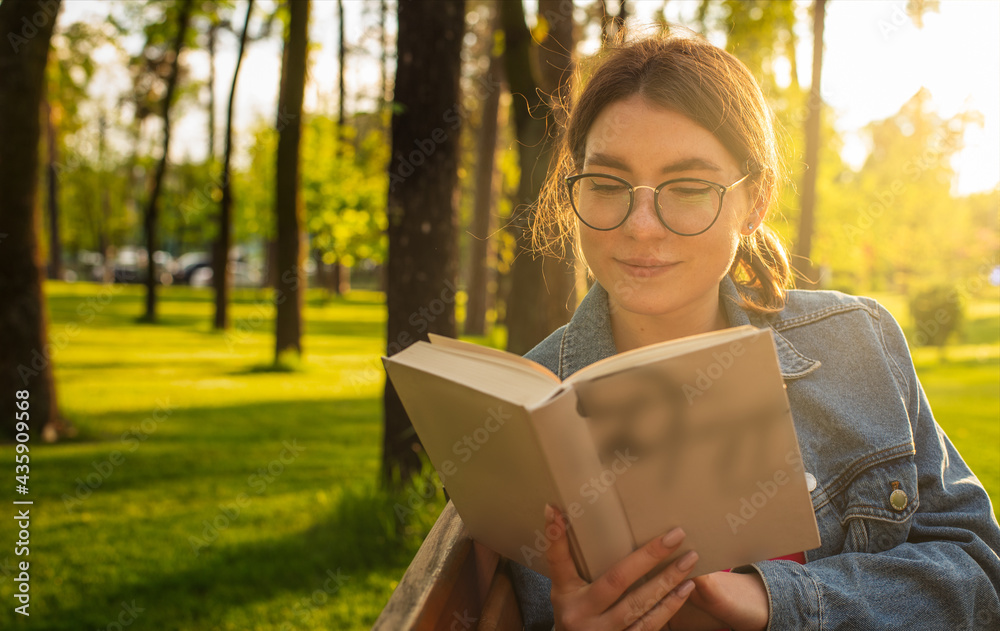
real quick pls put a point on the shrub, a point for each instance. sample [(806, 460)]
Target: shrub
[(938, 311)]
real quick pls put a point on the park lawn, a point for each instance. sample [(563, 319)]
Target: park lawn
[(226, 497), (179, 428)]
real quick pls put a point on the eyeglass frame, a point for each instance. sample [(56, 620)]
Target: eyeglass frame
[(720, 188)]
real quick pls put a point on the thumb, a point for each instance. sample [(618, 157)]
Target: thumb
[(561, 567)]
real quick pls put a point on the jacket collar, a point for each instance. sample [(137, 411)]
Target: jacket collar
[(588, 336)]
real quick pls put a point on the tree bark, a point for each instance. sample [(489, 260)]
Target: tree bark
[(542, 292), (220, 258), (52, 175), (807, 218), (337, 275), (290, 278), (152, 214), (481, 255), (106, 246), (423, 172), (213, 31), (383, 15), (25, 356)]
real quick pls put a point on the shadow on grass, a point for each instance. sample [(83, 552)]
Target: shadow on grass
[(189, 446), (360, 537)]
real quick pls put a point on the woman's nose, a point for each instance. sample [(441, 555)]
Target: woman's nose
[(643, 221)]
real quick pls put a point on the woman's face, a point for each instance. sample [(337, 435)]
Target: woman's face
[(646, 268)]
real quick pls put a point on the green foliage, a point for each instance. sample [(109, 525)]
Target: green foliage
[(938, 312), (761, 34), (345, 188)]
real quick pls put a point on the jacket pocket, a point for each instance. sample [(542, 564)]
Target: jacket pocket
[(877, 506)]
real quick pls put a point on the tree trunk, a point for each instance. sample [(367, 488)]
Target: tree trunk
[(341, 62), (336, 269), (534, 310), (52, 175), (220, 258), (807, 218), (25, 359), (213, 31), (152, 214), (423, 172), (290, 278), (383, 15), (481, 254), (104, 238)]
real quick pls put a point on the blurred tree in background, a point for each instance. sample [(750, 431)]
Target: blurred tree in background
[(26, 382), (421, 269)]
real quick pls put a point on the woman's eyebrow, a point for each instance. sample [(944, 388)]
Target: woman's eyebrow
[(691, 164), (686, 164), (605, 160)]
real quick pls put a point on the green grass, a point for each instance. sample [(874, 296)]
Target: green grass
[(193, 422), (192, 425)]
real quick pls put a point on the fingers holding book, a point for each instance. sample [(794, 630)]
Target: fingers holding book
[(646, 604)]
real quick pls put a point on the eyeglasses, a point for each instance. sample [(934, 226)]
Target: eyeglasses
[(685, 206)]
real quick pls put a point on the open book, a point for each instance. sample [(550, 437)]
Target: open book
[(694, 432)]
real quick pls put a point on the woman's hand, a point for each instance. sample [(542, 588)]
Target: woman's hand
[(724, 600), (595, 606)]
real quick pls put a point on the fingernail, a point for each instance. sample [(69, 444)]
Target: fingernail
[(687, 561), (684, 588), (673, 537), (550, 513)]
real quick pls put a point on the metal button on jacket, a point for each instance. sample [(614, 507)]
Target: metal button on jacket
[(898, 499)]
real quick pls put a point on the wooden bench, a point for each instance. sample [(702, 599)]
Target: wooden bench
[(452, 584)]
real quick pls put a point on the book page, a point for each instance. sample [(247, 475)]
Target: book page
[(712, 448), (486, 351), (486, 373), (486, 453), (657, 352)]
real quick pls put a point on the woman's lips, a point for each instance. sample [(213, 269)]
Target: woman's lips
[(645, 268)]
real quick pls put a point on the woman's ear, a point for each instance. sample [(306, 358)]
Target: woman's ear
[(758, 210)]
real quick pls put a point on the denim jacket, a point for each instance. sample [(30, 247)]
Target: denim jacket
[(926, 560)]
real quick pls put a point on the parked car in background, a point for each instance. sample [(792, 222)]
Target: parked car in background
[(188, 264), (195, 269)]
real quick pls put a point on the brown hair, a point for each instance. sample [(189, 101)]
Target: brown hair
[(688, 75)]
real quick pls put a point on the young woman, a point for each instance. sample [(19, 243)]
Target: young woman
[(667, 172)]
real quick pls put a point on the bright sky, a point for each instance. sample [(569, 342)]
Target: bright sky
[(875, 59)]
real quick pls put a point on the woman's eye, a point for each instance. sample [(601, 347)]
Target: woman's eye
[(691, 191), (607, 188)]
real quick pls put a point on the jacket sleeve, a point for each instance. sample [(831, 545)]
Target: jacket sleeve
[(946, 575), (532, 592)]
